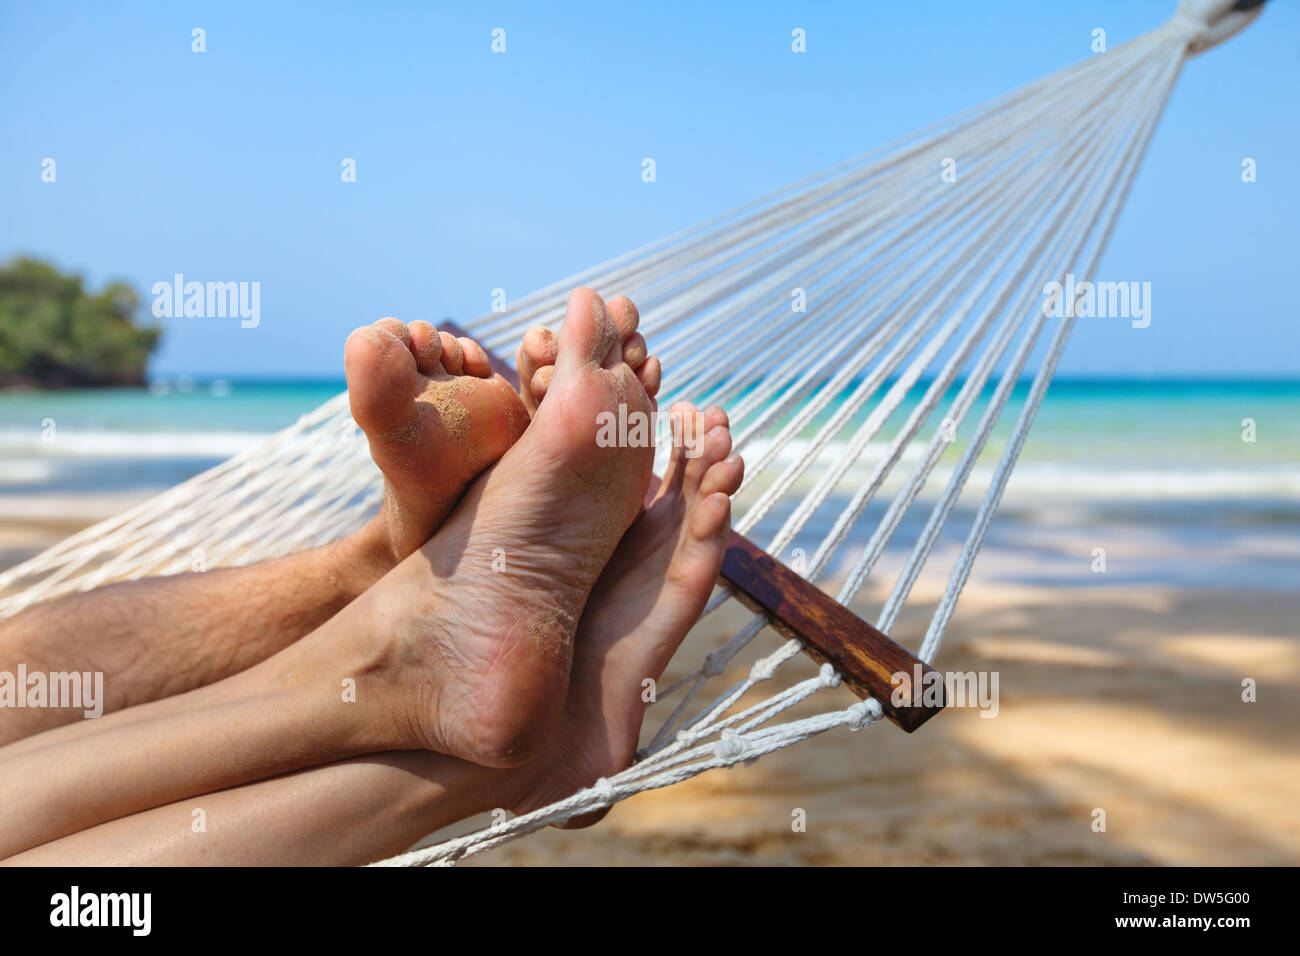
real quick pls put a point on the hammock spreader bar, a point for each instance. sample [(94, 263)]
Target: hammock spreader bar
[(828, 632)]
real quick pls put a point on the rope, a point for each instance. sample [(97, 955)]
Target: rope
[(911, 283)]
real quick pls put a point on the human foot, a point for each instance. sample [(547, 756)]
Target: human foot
[(435, 415), (645, 601), (471, 637), (648, 597), (535, 359)]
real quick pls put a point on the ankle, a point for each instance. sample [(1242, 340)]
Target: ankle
[(363, 557), (341, 675)]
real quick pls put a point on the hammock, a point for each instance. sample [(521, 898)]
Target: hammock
[(913, 281)]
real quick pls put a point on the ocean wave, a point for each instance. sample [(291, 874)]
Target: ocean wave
[(1048, 479), (69, 443), (1041, 479), (27, 459)]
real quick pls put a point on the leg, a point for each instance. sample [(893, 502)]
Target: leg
[(435, 416), (162, 636), (360, 810), (445, 653)]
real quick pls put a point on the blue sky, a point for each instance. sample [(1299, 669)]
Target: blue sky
[(477, 170)]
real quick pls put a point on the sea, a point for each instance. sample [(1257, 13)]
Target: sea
[(1203, 474)]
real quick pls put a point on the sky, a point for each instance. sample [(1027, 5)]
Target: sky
[(478, 170)]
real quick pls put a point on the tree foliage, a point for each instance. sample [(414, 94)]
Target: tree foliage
[(56, 334)]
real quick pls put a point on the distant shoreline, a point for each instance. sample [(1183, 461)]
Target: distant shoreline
[(23, 385), (201, 380)]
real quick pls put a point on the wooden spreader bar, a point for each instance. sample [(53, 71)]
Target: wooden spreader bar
[(865, 658)]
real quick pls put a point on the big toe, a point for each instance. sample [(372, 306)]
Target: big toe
[(587, 335), (382, 379)]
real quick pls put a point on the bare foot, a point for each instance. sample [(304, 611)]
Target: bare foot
[(535, 359), (471, 637), (647, 599), (436, 417)]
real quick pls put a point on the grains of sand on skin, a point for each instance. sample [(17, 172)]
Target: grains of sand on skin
[(449, 398), (546, 625)]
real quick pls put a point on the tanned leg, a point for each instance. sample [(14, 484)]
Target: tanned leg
[(367, 808), (435, 416), (445, 652)]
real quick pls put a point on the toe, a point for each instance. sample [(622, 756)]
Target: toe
[(474, 360), (726, 477), (587, 335), (541, 381), (526, 370), (613, 357), (697, 559), (649, 374), (395, 327), (536, 351), (682, 417), (426, 346), (382, 380), (540, 346), (634, 350), (710, 518), (624, 316), (452, 357), (704, 451)]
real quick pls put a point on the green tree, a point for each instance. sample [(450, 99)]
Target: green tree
[(55, 334)]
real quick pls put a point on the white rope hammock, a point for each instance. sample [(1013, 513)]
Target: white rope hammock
[(909, 280)]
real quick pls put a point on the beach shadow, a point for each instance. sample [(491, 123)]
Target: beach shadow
[(1102, 708)]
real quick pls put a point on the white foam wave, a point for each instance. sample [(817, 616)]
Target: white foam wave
[(26, 458), (123, 444), (1048, 480)]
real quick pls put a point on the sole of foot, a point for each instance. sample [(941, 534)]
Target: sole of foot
[(435, 416)]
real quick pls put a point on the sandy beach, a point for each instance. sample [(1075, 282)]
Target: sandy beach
[(1121, 697)]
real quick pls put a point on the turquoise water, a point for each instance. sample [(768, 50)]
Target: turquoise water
[(132, 439), (221, 406), (1157, 469), (1186, 434)]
